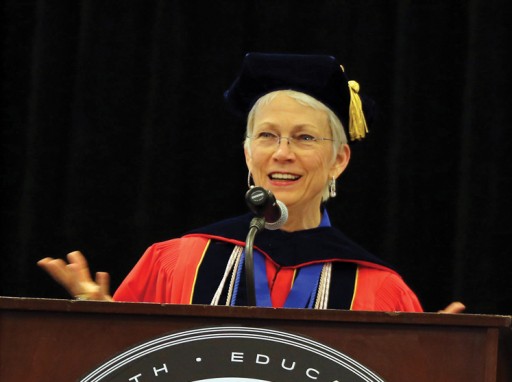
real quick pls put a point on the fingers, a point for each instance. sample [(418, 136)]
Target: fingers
[(103, 280), (453, 308), (56, 268), (76, 257), (79, 266), (76, 278)]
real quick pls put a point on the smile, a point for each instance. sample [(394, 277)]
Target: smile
[(283, 176)]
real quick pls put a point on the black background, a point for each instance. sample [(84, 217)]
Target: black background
[(115, 135)]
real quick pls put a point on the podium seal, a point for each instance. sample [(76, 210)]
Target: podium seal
[(231, 354)]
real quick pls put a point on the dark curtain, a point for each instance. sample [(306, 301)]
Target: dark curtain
[(115, 135)]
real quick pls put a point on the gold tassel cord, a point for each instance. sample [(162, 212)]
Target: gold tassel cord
[(357, 123)]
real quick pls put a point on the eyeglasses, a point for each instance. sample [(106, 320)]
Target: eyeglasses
[(300, 141)]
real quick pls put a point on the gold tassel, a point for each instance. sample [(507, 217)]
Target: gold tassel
[(357, 123)]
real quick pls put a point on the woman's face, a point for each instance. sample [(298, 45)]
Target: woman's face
[(297, 176)]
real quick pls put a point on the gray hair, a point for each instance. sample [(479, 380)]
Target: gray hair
[(337, 130)]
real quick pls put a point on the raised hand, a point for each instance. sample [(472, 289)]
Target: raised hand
[(76, 278)]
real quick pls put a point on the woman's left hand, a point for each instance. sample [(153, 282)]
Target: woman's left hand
[(453, 308)]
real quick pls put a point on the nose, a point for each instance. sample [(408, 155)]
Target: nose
[(280, 139), (283, 149)]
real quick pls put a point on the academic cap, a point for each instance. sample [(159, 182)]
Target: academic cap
[(319, 76)]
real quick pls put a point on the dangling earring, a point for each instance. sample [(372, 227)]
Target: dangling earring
[(249, 177), (332, 187)]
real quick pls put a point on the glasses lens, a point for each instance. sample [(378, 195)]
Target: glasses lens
[(301, 142), (267, 140)]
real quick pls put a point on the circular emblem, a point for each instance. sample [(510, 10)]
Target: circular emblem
[(232, 354)]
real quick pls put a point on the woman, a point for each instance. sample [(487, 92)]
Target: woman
[(296, 147)]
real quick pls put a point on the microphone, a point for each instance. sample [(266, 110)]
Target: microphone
[(270, 214), (263, 203)]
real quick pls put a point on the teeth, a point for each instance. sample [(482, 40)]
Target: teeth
[(284, 177)]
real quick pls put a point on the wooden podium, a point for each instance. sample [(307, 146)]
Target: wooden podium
[(62, 340)]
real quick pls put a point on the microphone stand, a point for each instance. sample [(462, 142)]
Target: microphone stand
[(257, 225)]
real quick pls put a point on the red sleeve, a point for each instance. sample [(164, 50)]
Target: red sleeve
[(379, 290), (165, 273)]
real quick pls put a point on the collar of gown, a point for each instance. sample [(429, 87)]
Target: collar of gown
[(294, 249)]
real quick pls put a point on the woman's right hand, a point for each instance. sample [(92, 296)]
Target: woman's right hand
[(76, 278)]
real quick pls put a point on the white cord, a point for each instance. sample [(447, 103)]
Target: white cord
[(237, 251), (322, 298)]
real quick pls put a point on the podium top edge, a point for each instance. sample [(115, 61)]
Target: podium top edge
[(256, 313)]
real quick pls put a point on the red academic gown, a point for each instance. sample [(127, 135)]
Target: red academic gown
[(168, 273)]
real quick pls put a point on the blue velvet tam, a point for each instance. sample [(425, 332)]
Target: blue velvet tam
[(320, 76)]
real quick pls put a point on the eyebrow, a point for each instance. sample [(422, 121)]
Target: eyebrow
[(274, 125)]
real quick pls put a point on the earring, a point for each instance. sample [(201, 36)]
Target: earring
[(332, 187), (249, 177)]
